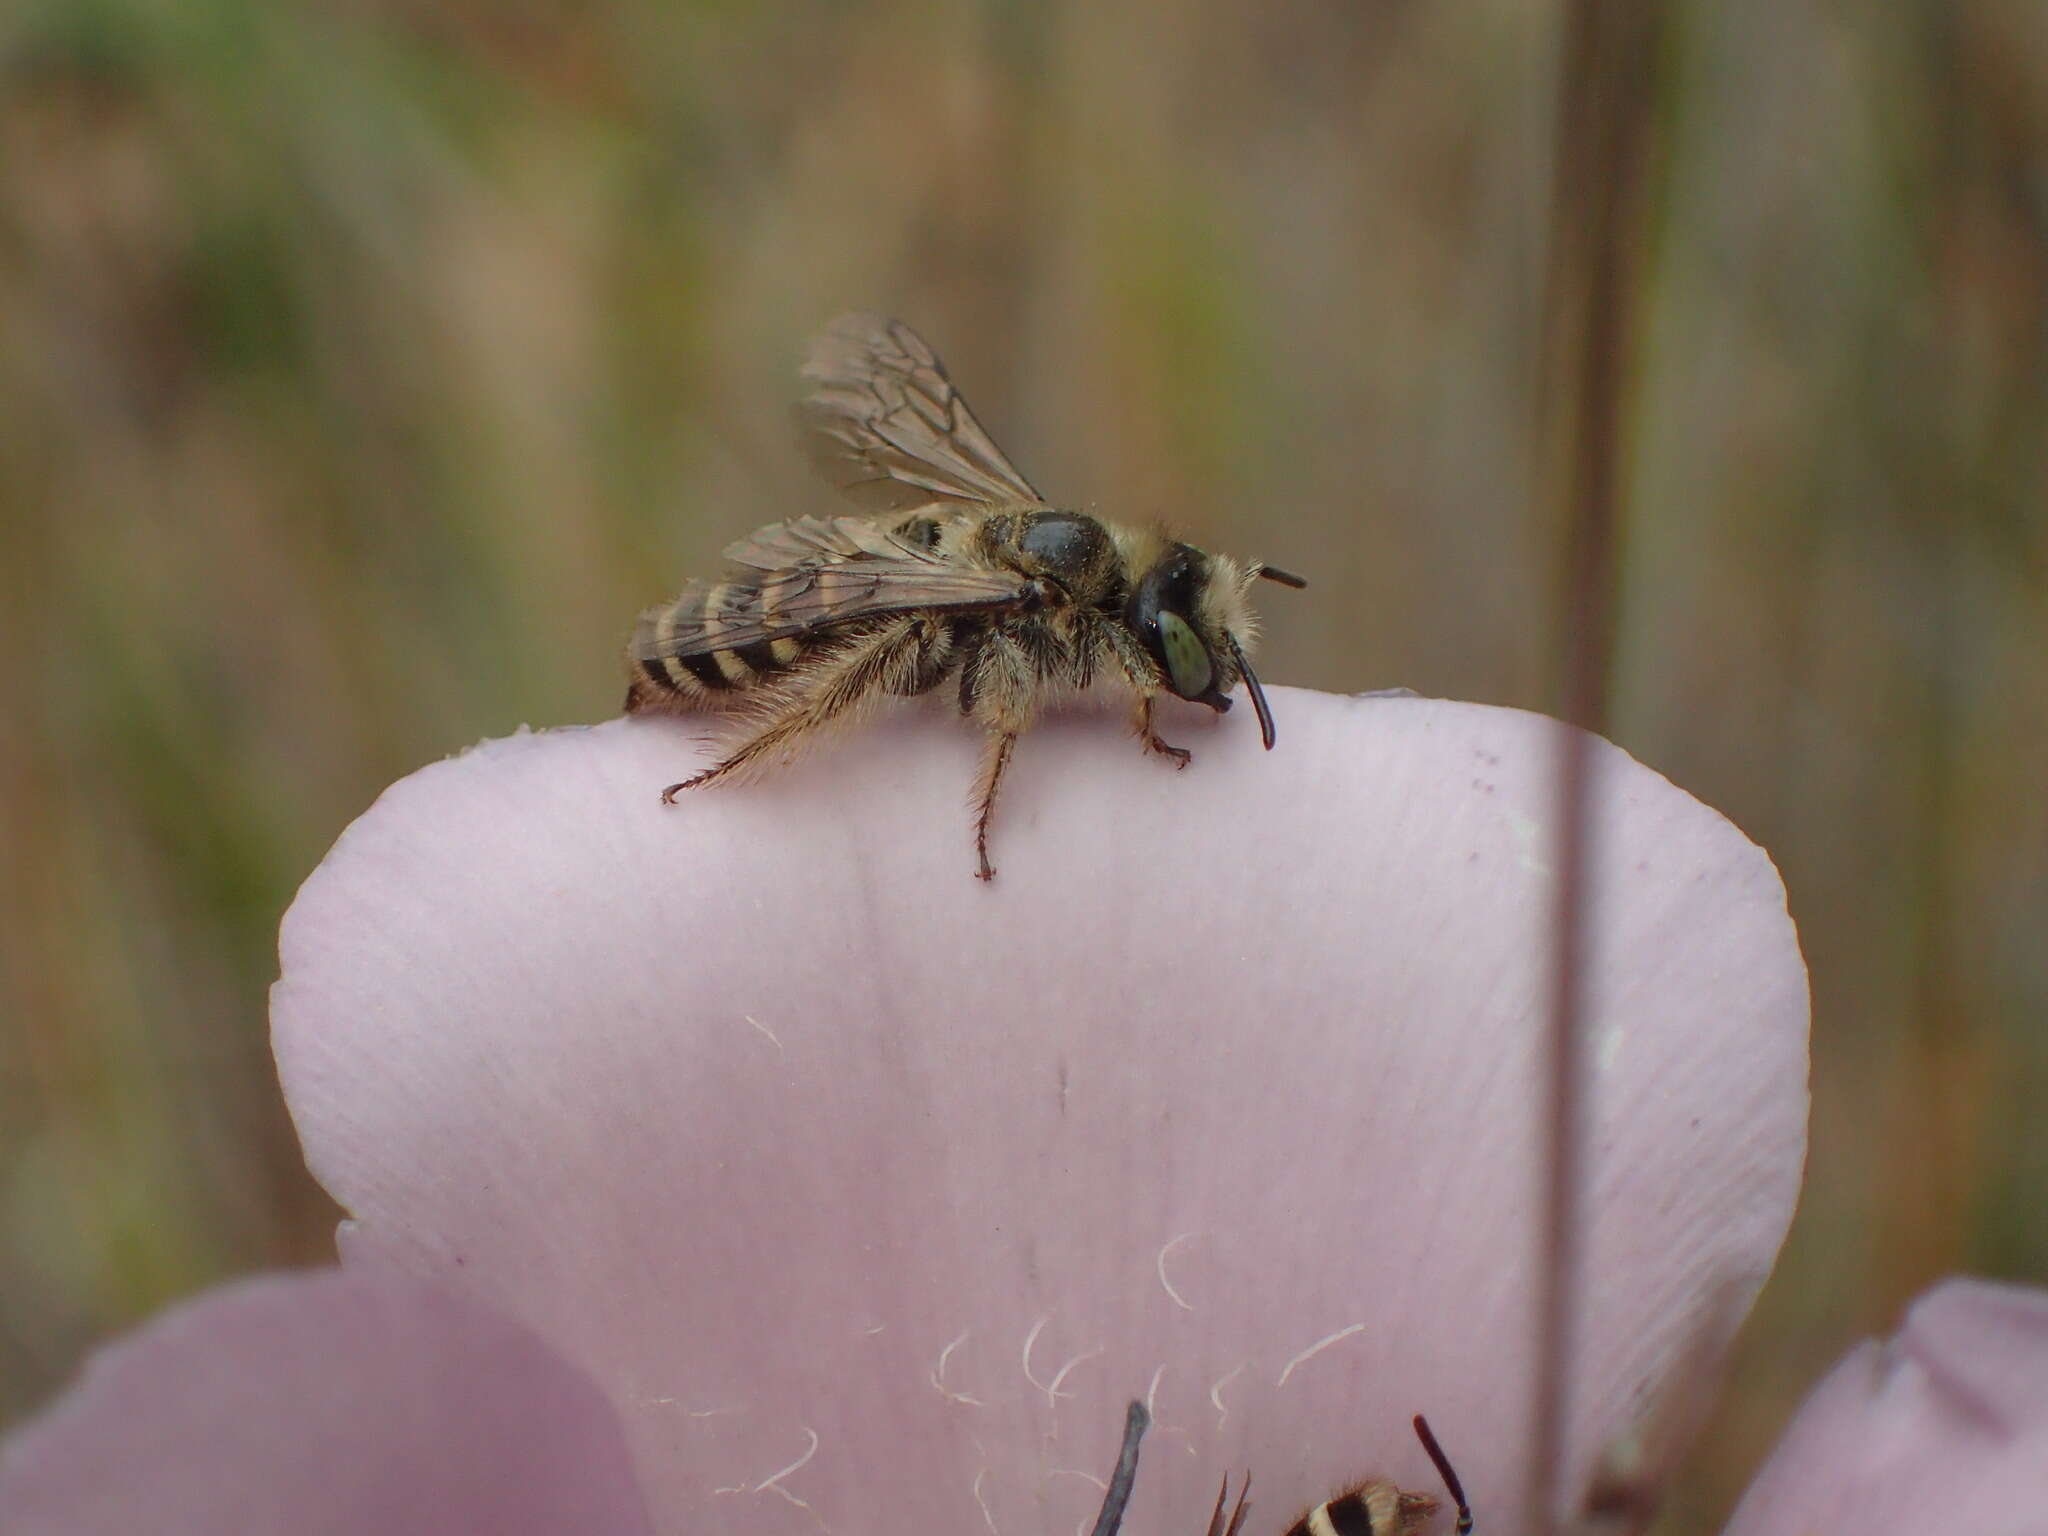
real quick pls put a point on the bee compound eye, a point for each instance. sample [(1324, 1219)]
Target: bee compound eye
[(1189, 670)]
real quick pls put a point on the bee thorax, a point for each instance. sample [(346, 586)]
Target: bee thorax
[(1063, 543)]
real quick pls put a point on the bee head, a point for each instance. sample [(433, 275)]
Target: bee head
[(1192, 613)]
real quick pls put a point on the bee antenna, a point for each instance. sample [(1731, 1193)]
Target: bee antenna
[(1216, 1514), (1136, 1421), (1237, 1515), (1443, 1470), (1285, 578), (1217, 1526), (1251, 686)]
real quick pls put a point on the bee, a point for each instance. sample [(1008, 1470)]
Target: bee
[(957, 571), (1374, 1507)]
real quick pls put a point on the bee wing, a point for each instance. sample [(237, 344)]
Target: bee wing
[(811, 540), (887, 427), (823, 595)]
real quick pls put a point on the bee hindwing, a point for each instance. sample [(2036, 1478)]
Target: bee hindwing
[(811, 540)]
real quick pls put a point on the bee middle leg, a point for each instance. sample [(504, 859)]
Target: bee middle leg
[(828, 692), (998, 689)]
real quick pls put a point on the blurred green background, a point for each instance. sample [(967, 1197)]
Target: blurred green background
[(365, 365)]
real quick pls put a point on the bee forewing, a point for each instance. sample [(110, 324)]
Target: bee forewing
[(807, 600), (887, 427)]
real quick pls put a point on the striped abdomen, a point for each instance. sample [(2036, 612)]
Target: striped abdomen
[(1374, 1508), (671, 666)]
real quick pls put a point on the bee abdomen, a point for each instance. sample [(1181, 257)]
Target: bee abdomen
[(1365, 1511), (706, 675)]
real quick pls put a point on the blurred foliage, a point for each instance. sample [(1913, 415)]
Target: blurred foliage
[(366, 364)]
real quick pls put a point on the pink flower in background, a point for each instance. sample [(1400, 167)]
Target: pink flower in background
[(845, 1193), (1944, 1426), (330, 1403)]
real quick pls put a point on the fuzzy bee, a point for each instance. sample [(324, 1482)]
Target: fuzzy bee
[(1374, 1507), (958, 571)]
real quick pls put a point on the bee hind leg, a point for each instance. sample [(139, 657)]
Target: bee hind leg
[(831, 692), (995, 761)]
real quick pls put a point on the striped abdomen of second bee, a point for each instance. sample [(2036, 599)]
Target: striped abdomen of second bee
[(1374, 1508), (713, 678)]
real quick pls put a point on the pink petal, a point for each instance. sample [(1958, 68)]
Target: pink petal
[(820, 1154), (324, 1402), (1942, 1427)]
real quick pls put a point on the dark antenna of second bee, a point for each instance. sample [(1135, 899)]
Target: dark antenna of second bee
[(1136, 1421), (1443, 1470), (1217, 1527)]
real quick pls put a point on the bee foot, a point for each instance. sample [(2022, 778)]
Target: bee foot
[(1181, 755), (668, 796)]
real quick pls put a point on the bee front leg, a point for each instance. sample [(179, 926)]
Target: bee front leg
[(1143, 678), (1141, 726)]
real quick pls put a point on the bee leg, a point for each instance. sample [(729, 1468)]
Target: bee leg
[(1143, 678), (835, 688), (995, 760), (1141, 726), (998, 690), (927, 660)]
